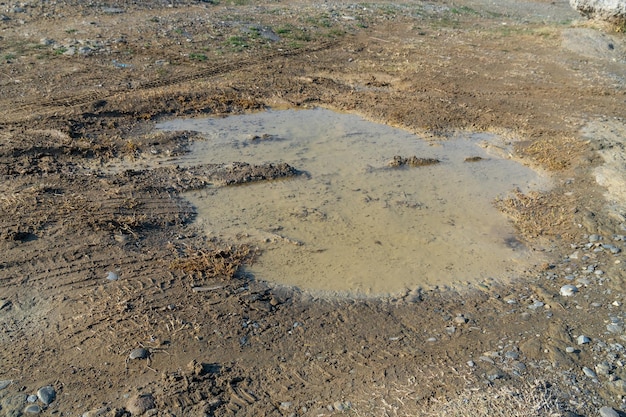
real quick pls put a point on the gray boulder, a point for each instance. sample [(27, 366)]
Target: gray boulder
[(613, 11)]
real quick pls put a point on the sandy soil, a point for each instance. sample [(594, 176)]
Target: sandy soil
[(82, 84)]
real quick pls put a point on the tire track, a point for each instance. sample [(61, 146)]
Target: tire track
[(17, 114)]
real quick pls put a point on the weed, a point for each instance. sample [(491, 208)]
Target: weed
[(463, 10), (214, 262), (238, 43), (198, 57)]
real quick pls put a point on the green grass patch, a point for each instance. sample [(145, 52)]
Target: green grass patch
[(198, 57), (237, 43)]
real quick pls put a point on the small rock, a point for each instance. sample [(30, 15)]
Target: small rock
[(139, 404), (450, 330), (112, 276), (536, 305), (96, 413), (608, 412), (431, 339), (519, 366), (568, 290), (487, 359), (603, 368), (615, 328), (342, 406), (590, 373), (582, 339), (471, 364), (32, 409), (139, 353), (594, 238), (618, 387), (460, 319), (511, 354), (46, 394), (5, 383), (31, 398), (285, 405), (570, 349)]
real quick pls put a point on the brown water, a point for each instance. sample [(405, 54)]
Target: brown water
[(354, 225)]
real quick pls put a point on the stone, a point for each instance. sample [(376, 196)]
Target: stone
[(139, 404), (615, 328), (582, 340), (5, 383), (32, 409), (613, 11), (570, 349), (568, 290), (608, 412), (618, 387), (511, 354), (46, 394), (590, 373), (96, 413), (604, 368)]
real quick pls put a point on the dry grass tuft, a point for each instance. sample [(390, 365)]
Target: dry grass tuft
[(555, 153), (215, 262), (535, 399), (535, 214)]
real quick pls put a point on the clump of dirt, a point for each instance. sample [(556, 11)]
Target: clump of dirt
[(242, 172), (412, 161)]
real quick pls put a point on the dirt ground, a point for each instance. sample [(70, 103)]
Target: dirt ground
[(82, 84)]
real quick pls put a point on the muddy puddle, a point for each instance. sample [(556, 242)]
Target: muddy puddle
[(356, 221)]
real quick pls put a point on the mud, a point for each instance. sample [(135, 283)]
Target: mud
[(239, 347)]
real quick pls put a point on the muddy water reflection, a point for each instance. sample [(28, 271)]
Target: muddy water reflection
[(353, 224)]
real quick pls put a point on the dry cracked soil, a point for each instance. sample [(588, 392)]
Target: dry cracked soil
[(96, 264)]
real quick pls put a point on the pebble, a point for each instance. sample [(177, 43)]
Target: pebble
[(5, 383), (536, 305), (594, 238), (582, 339), (612, 248), (112, 276), (471, 364), (342, 406), (589, 372), (608, 412), (460, 319), (139, 353), (31, 398), (487, 359), (285, 405), (32, 409), (615, 328), (46, 394), (511, 354), (603, 368), (431, 339), (568, 290), (570, 349), (96, 413)]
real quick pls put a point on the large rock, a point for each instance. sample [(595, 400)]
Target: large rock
[(613, 11)]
